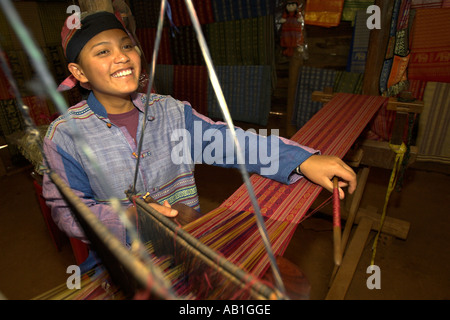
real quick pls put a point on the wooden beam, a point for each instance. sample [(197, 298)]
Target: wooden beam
[(391, 226), (378, 42), (347, 269)]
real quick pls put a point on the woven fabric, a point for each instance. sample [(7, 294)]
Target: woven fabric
[(21, 70), (164, 79), (10, 117), (360, 44), (324, 13), (431, 46), (28, 12), (228, 10), (351, 7), (146, 37), (434, 135), (185, 47), (421, 4), (146, 12), (52, 16), (348, 82), (332, 130), (242, 42), (38, 109), (247, 91), (181, 16), (310, 80), (190, 83)]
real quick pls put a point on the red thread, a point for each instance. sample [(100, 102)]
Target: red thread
[(336, 208)]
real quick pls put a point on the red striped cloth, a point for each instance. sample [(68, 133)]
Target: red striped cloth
[(430, 49), (333, 130), (190, 83), (146, 37), (181, 16)]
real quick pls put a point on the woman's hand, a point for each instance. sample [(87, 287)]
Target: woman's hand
[(164, 209), (321, 170)]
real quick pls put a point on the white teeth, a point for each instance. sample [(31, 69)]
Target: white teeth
[(122, 73)]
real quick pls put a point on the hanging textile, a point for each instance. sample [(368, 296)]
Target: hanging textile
[(393, 78), (324, 13), (423, 4), (434, 135), (164, 79), (190, 83), (247, 90), (185, 48), (430, 51), (310, 80), (351, 7), (180, 13), (146, 12), (146, 37), (242, 42), (229, 10), (360, 44)]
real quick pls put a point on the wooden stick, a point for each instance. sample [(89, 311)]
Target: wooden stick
[(336, 223)]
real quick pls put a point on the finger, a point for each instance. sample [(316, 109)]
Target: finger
[(167, 211), (167, 204)]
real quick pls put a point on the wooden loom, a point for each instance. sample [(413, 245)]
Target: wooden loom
[(368, 153), (292, 213), (284, 207)]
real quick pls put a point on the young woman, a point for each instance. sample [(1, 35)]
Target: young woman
[(102, 57)]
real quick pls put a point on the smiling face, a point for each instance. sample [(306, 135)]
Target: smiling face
[(109, 64)]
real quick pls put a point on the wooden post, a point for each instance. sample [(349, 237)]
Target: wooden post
[(378, 42)]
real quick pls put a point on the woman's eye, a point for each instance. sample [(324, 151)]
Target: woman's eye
[(102, 52)]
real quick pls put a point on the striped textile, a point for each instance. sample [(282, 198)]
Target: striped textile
[(430, 48), (423, 4), (52, 16), (164, 79), (5, 87), (57, 63), (145, 12), (242, 42), (228, 10), (5, 33), (39, 110), (348, 82), (21, 70), (324, 13), (181, 16), (190, 83), (247, 91), (417, 88), (10, 117), (185, 48), (310, 80), (28, 12), (351, 7), (332, 130), (360, 44), (434, 135), (146, 37)]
